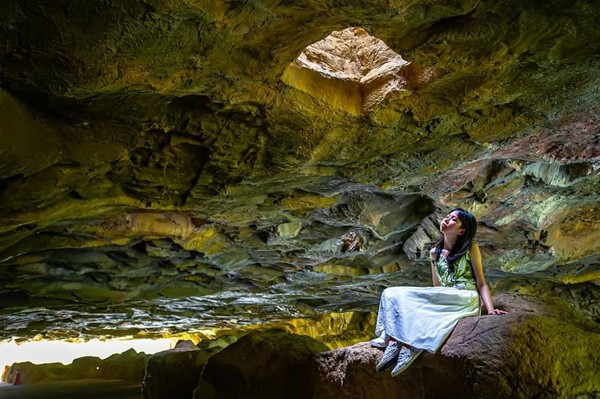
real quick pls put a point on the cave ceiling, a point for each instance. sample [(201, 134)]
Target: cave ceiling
[(169, 166)]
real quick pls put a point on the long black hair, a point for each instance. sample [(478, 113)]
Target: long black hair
[(463, 242)]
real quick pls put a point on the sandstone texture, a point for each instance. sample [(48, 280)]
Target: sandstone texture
[(541, 349), (353, 71), (172, 167)]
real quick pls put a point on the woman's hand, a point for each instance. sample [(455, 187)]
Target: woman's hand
[(497, 311)]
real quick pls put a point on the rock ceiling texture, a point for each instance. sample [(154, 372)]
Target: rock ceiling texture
[(176, 165)]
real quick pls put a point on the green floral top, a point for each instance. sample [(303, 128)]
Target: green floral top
[(462, 277)]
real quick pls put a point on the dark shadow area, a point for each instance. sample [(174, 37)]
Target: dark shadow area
[(89, 389)]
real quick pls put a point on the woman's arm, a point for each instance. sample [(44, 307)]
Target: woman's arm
[(484, 290), (434, 276)]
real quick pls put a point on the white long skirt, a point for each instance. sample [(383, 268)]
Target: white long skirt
[(423, 317)]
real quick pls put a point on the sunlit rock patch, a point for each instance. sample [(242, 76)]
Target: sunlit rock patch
[(354, 71), (129, 365)]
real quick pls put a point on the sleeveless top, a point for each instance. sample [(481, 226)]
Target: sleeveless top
[(462, 277)]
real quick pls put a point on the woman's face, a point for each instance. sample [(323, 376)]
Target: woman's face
[(451, 224)]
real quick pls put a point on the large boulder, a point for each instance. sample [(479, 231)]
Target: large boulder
[(541, 349), (129, 366), (174, 373), (267, 364)]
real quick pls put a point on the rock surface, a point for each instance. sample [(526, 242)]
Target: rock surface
[(541, 349), (158, 174), (129, 366), (174, 373), (353, 71), (270, 364)]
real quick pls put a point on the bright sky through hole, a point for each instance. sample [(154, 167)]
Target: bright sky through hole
[(64, 352)]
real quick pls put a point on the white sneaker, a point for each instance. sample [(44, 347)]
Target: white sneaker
[(380, 342), (406, 356), (389, 356)]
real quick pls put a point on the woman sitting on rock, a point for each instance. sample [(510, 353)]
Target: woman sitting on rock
[(414, 319)]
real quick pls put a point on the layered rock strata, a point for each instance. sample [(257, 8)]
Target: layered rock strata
[(158, 175)]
